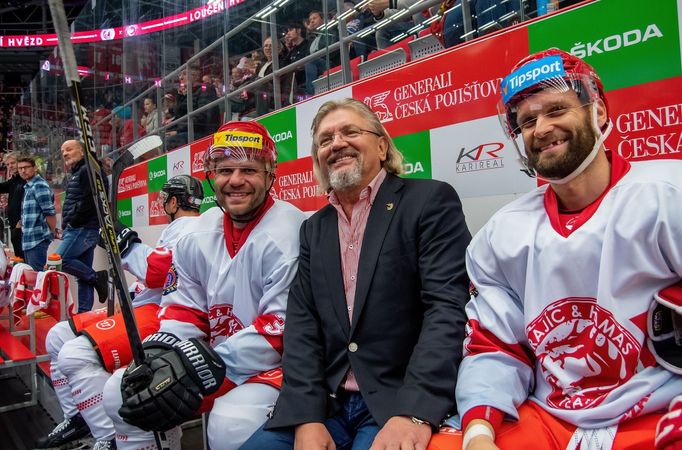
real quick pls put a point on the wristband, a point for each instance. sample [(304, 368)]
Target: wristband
[(475, 431)]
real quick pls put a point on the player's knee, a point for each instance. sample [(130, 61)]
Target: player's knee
[(76, 355), (230, 428), (56, 337), (112, 395)]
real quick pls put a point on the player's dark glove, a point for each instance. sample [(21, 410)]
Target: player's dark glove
[(664, 327), (125, 238), (167, 389)]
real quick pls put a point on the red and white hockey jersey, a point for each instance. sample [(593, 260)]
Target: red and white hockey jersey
[(150, 265), (560, 317), (236, 302)]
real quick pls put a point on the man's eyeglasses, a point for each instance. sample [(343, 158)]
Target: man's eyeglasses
[(325, 141), (24, 167), (554, 112)]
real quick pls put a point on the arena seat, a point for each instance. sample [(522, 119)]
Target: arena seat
[(333, 78), (424, 46), (383, 62)]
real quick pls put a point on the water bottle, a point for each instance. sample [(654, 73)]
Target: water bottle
[(54, 262)]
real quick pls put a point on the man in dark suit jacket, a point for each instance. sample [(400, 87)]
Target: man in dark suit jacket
[(375, 317)]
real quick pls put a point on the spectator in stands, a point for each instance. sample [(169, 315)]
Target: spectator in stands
[(242, 74), (123, 123), (293, 84), (564, 280), (80, 228), (206, 121), (375, 315), (14, 188), (317, 41), (264, 94), (150, 119), (382, 9), (38, 215), (356, 22)]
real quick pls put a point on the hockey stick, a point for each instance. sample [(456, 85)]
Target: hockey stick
[(94, 174), (97, 186), (127, 159)]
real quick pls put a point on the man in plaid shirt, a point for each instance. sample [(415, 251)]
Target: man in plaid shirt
[(38, 216)]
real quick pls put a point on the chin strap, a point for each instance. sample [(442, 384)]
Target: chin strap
[(601, 137)]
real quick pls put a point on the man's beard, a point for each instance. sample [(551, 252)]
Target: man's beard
[(580, 145), (346, 178)]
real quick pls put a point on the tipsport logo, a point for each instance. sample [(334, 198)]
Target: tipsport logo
[(531, 74)]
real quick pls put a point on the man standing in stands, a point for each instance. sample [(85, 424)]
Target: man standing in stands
[(80, 228), (38, 215), (375, 317), (223, 308), (85, 350), (564, 280), (319, 39), (293, 84), (14, 188)]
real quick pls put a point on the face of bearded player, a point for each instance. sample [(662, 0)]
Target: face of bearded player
[(558, 134), (241, 187)]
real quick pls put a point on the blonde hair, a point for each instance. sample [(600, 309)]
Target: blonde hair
[(394, 159)]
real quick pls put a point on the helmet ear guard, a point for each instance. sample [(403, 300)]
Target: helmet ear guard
[(664, 328)]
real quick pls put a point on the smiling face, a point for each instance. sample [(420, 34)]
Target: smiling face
[(72, 152), (11, 163), (562, 135), (349, 163), (241, 187)]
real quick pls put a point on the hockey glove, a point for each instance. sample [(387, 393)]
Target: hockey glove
[(168, 388), (669, 428), (125, 238)]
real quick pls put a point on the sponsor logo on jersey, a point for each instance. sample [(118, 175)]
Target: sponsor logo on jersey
[(105, 324), (171, 284), (583, 352), (223, 323)]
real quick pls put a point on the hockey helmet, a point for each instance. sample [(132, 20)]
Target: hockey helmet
[(556, 71), (241, 141), (188, 190)]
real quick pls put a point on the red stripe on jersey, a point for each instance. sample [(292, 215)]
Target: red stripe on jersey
[(158, 264), (492, 415), (186, 314), (481, 341), (271, 327)]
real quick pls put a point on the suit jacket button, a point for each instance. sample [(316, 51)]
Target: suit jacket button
[(352, 347)]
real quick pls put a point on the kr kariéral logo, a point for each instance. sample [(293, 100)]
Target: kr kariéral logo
[(140, 211), (481, 157), (583, 352)]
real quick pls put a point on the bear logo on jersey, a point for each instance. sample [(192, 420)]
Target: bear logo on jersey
[(583, 352)]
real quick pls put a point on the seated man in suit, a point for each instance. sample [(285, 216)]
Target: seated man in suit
[(375, 317)]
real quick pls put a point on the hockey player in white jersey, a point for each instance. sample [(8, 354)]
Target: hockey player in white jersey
[(563, 280), (220, 342), (85, 350)]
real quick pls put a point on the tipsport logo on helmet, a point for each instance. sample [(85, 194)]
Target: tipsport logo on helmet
[(531, 74), (234, 138)]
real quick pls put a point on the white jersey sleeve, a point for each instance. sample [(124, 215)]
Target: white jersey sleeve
[(493, 348)]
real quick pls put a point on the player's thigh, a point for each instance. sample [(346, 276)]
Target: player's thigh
[(238, 414)]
